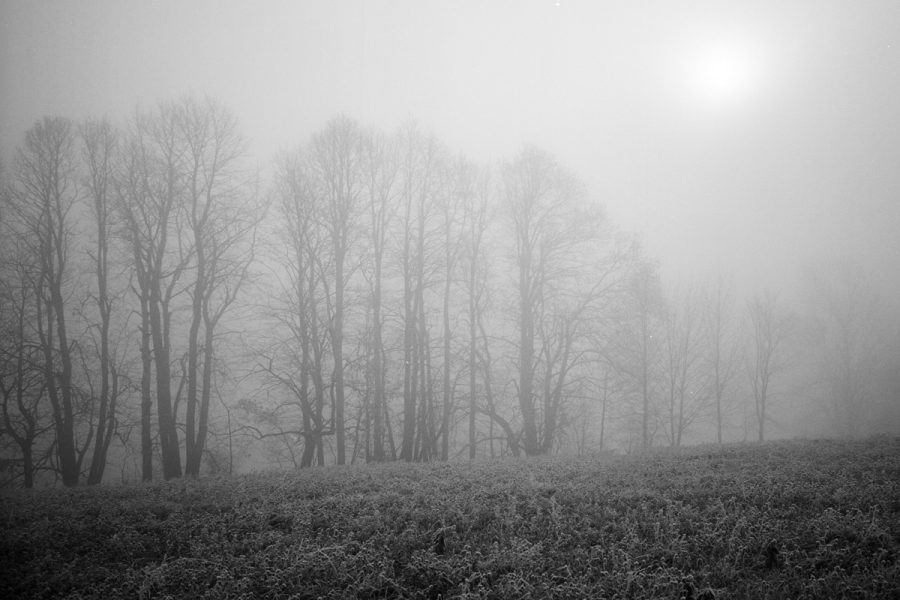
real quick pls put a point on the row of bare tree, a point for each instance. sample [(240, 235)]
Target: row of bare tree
[(108, 236), (392, 242), (380, 299)]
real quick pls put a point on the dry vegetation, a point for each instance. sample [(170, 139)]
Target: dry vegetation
[(779, 520)]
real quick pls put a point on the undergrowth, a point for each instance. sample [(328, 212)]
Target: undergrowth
[(778, 520)]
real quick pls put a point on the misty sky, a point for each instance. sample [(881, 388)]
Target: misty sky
[(747, 137)]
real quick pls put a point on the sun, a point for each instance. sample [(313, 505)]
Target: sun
[(723, 73)]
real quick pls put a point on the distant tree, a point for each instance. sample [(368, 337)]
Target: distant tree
[(556, 234), (632, 346), (683, 350), (721, 358), (770, 327), (849, 335)]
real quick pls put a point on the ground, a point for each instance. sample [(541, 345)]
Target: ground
[(804, 519)]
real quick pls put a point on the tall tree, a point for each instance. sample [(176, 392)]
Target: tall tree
[(422, 160), (381, 167), (337, 153), (476, 189), (152, 198), (296, 360), (452, 205), (22, 383), (556, 233), (44, 195), (99, 147), (132, 191), (221, 217)]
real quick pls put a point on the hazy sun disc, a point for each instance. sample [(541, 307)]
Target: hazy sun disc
[(723, 73)]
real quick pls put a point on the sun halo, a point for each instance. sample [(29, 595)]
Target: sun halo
[(723, 74)]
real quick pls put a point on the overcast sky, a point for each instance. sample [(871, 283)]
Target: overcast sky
[(747, 137)]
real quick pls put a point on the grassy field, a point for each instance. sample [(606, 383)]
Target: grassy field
[(779, 520)]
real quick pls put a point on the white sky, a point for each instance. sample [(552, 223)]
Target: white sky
[(746, 137)]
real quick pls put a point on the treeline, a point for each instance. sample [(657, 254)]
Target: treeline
[(168, 310)]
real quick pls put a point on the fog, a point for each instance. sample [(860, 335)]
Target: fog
[(753, 143), (747, 138)]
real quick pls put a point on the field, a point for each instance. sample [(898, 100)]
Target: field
[(779, 520)]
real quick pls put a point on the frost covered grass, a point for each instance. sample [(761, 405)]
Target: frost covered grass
[(792, 519)]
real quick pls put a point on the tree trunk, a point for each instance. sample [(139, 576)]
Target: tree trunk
[(445, 414), (146, 395), (192, 463), (526, 369), (377, 366), (409, 353), (338, 349), (203, 425), (473, 341), (60, 386), (168, 434)]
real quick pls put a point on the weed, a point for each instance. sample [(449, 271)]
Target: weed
[(801, 519)]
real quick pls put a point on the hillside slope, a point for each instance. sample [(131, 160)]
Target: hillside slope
[(793, 519)]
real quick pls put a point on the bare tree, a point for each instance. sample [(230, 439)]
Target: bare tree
[(381, 166), (475, 187), (556, 237), (43, 197), (337, 153), (22, 382), (631, 343), (770, 328), (133, 191), (686, 396), (722, 354), (295, 362), (422, 162), (99, 148), (491, 408), (151, 198), (221, 218), (452, 205), (849, 339)]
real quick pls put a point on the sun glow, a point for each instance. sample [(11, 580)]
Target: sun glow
[(724, 73)]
